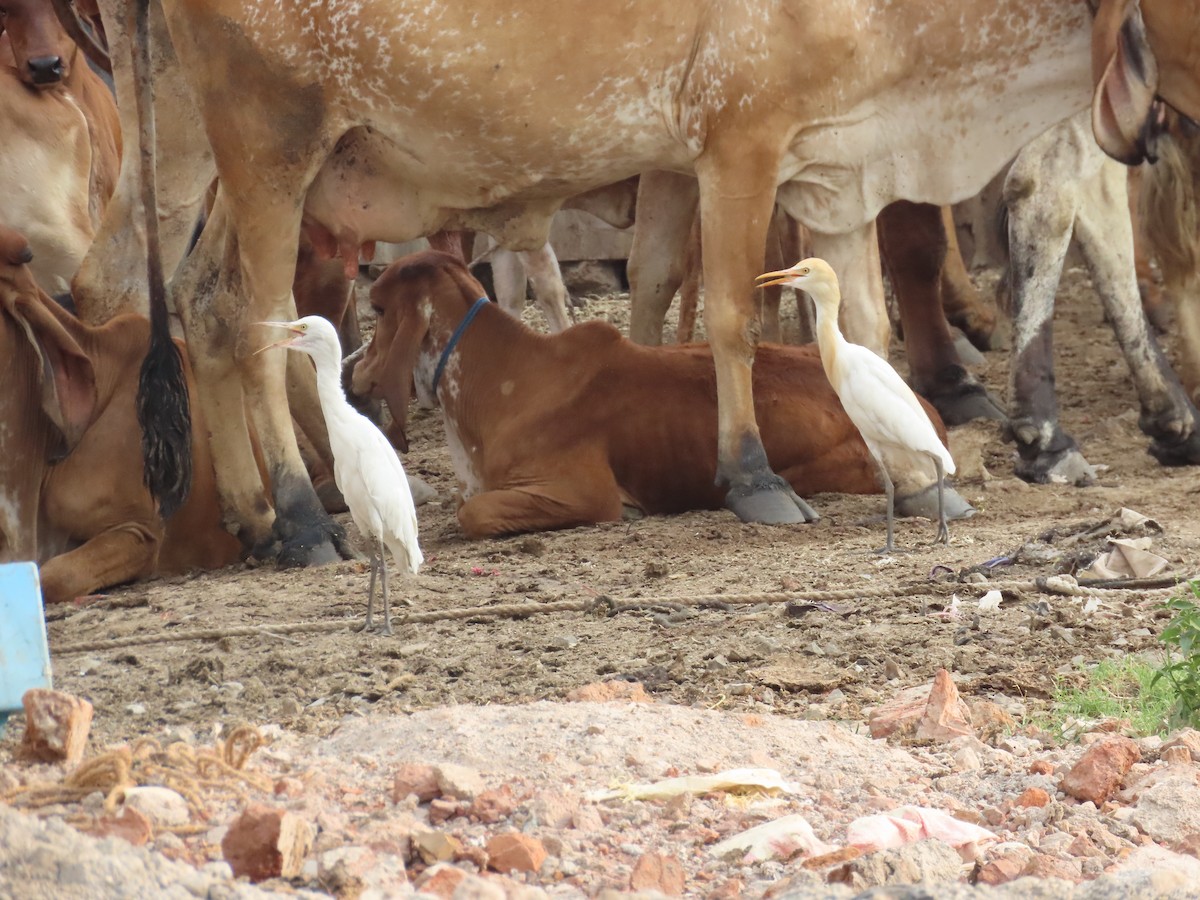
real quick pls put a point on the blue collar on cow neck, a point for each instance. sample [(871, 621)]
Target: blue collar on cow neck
[(454, 339)]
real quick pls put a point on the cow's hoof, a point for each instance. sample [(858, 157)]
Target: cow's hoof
[(1177, 451), (925, 503), (1065, 466), (769, 500), (422, 491), (959, 398), (315, 545)]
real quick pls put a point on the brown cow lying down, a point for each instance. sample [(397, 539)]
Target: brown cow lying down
[(551, 431), (71, 491)]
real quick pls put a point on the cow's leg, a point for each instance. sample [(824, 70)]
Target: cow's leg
[(771, 297), (123, 553), (509, 280), (963, 305), (855, 258), (1186, 298), (1041, 193), (689, 290), (548, 289), (1105, 236), (666, 206), (737, 195), (225, 300), (913, 240), (586, 495)]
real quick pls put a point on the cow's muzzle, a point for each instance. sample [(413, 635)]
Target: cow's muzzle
[(46, 70)]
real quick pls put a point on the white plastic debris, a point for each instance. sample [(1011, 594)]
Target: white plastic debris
[(781, 839), (734, 781), (909, 824), (990, 602)]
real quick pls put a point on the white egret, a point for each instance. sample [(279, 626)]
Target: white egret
[(878, 402), (365, 465)]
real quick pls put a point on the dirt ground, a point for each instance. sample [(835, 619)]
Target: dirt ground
[(760, 657)]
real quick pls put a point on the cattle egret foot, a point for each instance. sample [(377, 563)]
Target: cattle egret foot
[(365, 466), (878, 402)]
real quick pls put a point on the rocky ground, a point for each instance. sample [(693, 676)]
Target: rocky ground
[(465, 757)]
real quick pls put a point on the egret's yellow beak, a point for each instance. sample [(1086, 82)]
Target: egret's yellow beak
[(768, 279), (295, 333)]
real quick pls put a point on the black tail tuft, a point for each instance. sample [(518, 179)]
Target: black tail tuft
[(165, 417)]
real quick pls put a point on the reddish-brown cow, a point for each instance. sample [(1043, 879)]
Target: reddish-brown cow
[(550, 431), (71, 491), (60, 140)]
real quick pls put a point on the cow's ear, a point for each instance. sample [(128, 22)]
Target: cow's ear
[(66, 374), (1125, 75)]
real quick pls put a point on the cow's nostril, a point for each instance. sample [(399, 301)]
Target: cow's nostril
[(46, 69)]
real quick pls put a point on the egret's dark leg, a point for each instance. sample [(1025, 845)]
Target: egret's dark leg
[(387, 603), (367, 625), (890, 490), (943, 534)]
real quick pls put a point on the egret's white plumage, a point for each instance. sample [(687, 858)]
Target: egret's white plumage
[(365, 465), (875, 397)]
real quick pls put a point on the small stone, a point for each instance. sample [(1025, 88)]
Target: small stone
[(892, 670), (554, 809), (966, 760), (264, 842), (515, 852), (1176, 756), (607, 691), (1045, 866), (1041, 767), (493, 805), (1033, 796), (1001, 870), (442, 810), (1188, 738), (441, 880), (655, 872), (129, 826), (415, 778), (56, 726), (927, 861), (1100, 770), (931, 712), (1169, 811), (1083, 848), (160, 805), (989, 719), (436, 846), (459, 782)]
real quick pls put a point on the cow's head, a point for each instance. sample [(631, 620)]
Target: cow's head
[(1142, 50), (62, 375), (417, 302), (43, 51)]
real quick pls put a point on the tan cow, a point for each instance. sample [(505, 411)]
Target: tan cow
[(71, 491), (550, 431), (60, 143), (453, 115)]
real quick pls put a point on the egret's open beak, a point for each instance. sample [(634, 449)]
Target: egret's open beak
[(768, 279), (295, 333)]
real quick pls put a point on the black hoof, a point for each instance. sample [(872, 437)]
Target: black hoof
[(925, 504), (1177, 451), (769, 500), (959, 398), (1066, 466), (314, 546)]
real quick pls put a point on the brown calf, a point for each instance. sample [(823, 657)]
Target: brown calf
[(551, 431), (71, 491)]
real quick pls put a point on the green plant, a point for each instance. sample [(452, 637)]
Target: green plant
[(1182, 636), (1116, 689)]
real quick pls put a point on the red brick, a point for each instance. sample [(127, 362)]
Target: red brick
[(56, 726), (264, 842), (515, 852), (655, 872), (1100, 770)]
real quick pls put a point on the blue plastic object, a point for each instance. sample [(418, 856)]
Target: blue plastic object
[(24, 653)]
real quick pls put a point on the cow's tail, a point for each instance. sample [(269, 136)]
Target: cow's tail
[(1168, 206), (162, 401)]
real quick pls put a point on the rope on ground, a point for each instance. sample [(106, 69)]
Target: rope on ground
[(1051, 584), (179, 766)]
